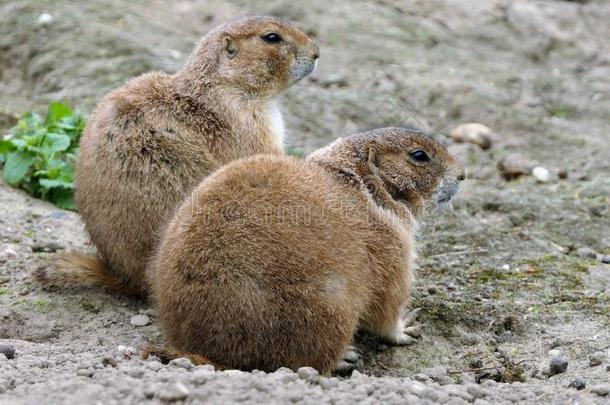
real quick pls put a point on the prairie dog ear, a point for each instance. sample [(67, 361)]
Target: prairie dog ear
[(229, 46)]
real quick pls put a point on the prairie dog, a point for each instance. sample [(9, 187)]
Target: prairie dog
[(275, 262), (150, 142)]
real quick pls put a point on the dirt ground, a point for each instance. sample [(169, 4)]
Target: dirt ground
[(513, 272)]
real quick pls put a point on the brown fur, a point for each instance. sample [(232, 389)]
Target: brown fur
[(149, 143), (275, 261)]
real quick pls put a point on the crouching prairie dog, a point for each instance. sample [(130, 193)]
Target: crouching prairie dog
[(149, 143), (275, 262)]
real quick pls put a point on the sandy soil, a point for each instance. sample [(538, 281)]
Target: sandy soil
[(503, 279)]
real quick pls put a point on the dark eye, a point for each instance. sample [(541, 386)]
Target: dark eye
[(419, 156), (272, 38)]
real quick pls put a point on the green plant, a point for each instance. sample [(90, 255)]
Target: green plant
[(38, 154)]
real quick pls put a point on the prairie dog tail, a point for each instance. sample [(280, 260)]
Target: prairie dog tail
[(73, 269)]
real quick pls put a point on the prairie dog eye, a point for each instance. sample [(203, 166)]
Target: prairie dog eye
[(272, 38), (419, 156)]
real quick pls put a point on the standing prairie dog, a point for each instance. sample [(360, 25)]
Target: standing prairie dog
[(150, 142), (275, 262)]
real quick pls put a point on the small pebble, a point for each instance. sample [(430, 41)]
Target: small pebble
[(139, 320), (558, 365), (579, 383), (601, 390), (562, 174), (3, 358), (586, 253), (596, 359), (307, 373), (514, 166), (175, 392), (351, 356), (8, 351), (181, 362), (541, 174), (44, 19), (605, 259), (473, 132)]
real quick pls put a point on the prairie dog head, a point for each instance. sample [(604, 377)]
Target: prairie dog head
[(411, 165), (257, 55)]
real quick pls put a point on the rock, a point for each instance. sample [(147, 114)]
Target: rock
[(596, 359), (562, 174), (175, 392), (605, 259), (579, 383), (601, 390), (135, 372), (154, 365), (139, 320), (351, 356), (476, 391), (8, 351), (44, 19), (181, 362), (3, 358), (307, 373), (473, 132), (541, 174), (7, 252), (586, 253), (345, 368), (558, 365), (439, 374), (514, 166)]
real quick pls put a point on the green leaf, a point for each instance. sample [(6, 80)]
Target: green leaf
[(64, 198), (17, 165), (56, 142), (6, 146), (56, 112), (54, 183)]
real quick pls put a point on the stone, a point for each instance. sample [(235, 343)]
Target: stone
[(181, 362), (8, 351), (586, 253), (596, 359), (579, 383), (139, 320), (558, 365), (601, 390), (173, 393), (307, 373), (514, 166), (541, 174), (474, 133)]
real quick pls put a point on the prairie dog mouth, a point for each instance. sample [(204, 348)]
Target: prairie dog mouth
[(302, 67), (446, 190)]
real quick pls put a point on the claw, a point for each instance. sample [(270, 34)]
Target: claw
[(411, 317), (414, 331)]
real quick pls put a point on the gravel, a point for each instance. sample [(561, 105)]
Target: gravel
[(133, 380)]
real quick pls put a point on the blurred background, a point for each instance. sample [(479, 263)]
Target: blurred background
[(518, 267)]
